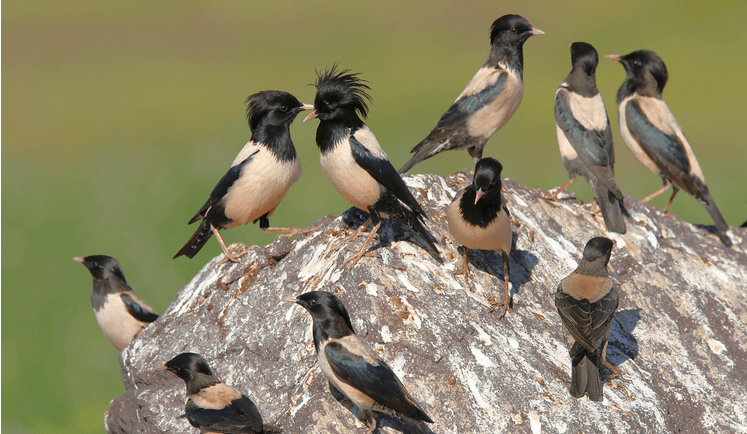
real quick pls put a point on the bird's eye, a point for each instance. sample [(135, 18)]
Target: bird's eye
[(636, 63), (284, 109), (514, 30), (312, 301)]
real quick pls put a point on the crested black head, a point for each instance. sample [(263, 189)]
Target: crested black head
[(646, 73), (102, 268), (331, 319), (507, 36), (584, 57), (193, 369), (487, 178), (582, 79), (340, 96), (596, 256), (274, 107)]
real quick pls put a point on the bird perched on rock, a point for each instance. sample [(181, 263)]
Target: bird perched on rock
[(478, 218), (654, 136), (121, 314), (488, 101), (259, 177), (586, 301), (212, 406), (351, 157), (585, 137), (353, 369)]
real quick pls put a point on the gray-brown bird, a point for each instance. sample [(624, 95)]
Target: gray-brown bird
[(585, 137), (354, 369), (121, 314), (488, 101), (213, 406), (586, 301), (479, 219), (654, 136)]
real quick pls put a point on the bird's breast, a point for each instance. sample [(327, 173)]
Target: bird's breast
[(495, 114), (631, 141), (496, 236), (116, 323), (261, 186), (351, 180), (588, 111), (358, 397), (215, 397)]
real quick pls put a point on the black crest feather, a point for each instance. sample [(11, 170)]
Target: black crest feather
[(341, 89)]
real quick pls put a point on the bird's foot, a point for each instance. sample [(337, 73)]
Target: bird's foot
[(358, 255), (464, 271), (360, 232), (614, 371), (517, 224), (291, 232), (547, 195)]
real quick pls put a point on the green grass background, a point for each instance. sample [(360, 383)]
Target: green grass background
[(119, 117)]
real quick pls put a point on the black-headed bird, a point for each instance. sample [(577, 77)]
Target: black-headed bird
[(351, 157), (479, 219), (654, 136), (353, 369), (213, 406), (585, 137), (259, 176), (488, 101), (121, 314), (586, 301)]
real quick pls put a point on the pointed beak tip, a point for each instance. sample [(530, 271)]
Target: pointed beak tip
[(305, 107), (536, 31), (291, 299), (615, 57), (162, 367), (570, 43), (79, 259), (478, 195), (311, 116)]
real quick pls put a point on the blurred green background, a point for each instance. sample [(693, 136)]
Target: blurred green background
[(119, 118)]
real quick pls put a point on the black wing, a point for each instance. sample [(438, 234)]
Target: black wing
[(137, 310), (378, 382), (588, 323), (222, 187), (241, 417), (384, 173), (593, 147)]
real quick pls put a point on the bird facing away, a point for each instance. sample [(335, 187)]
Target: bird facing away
[(488, 101), (585, 137), (121, 314), (259, 177), (586, 302), (353, 368), (478, 218), (212, 406), (351, 157), (654, 136)]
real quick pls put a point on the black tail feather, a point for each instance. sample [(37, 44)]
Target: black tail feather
[(611, 208), (199, 238), (585, 376)]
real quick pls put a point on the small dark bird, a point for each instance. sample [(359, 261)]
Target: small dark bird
[(259, 177), (353, 368), (121, 314), (488, 101), (351, 157), (586, 302), (212, 406), (585, 137), (478, 218), (654, 136)]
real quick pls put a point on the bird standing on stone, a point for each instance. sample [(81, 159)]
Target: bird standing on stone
[(121, 314), (585, 137), (654, 136), (212, 406), (259, 177), (479, 219), (586, 301), (351, 157), (354, 371), (488, 101)]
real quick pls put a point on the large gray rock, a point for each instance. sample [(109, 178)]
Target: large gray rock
[(679, 335)]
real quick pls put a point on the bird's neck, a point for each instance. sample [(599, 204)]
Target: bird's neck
[(200, 381), (511, 56), (484, 212), (326, 329), (581, 83), (331, 132), (277, 139), (596, 268)]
